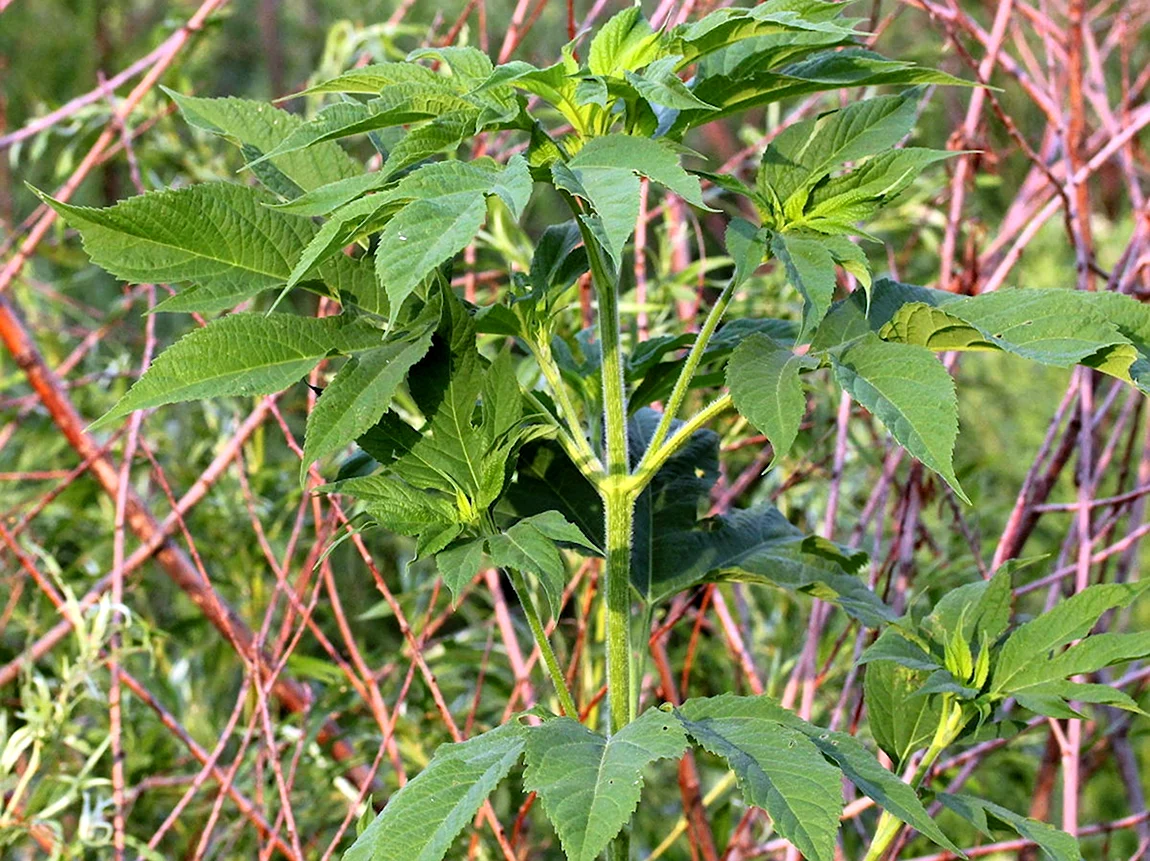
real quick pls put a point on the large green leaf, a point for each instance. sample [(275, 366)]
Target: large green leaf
[(258, 128), (778, 768), (763, 376), (606, 174), (751, 84), (1069, 620), (1052, 327), (911, 393), (806, 152), (422, 820), (845, 751), (590, 785), (448, 205), (242, 354), (218, 235)]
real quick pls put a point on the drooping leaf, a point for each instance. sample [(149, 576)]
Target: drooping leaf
[(459, 564), (242, 354), (810, 267), (763, 377), (590, 785), (606, 174), (359, 395), (1056, 845), (778, 768), (531, 546), (759, 545), (911, 393), (422, 820)]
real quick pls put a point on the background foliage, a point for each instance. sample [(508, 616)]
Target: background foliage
[(377, 646)]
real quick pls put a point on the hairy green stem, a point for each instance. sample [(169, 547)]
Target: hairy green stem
[(535, 622), (587, 461), (694, 359), (654, 459), (618, 504)]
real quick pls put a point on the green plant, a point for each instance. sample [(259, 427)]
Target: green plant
[(490, 435)]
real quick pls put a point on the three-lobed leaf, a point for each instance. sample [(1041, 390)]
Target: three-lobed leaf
[(589, 785)]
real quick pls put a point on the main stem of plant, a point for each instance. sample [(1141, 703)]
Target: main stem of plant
[(616, 489)]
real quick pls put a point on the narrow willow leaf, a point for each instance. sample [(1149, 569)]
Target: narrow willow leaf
[(901, 722), (763, 376), (358, 396), (911, 393), (606, 174), (449, 203), (263, 127), (1056, 845), (1069, 620), (777, 767), (422, 820), (219, 235), (242, 354), (810, 268), (590, 785)]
